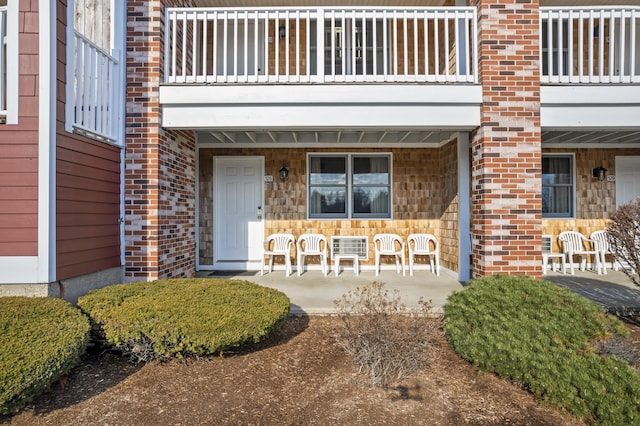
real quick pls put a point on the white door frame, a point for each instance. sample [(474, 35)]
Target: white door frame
[(249, 264)]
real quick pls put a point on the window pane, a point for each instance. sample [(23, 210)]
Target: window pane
[(556, 170), (371, 171), (371, 200), (328, 171), (328, 200), (556, 201)]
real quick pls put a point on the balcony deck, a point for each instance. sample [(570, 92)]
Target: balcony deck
[(387, 68)]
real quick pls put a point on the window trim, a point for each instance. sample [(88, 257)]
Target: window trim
[(12, 63), (349, 185), (573, 171)]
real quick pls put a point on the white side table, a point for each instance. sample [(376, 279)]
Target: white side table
[(354, 257)]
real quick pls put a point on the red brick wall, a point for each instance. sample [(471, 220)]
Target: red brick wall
[(160, 164), (506, 148), (19, 149)]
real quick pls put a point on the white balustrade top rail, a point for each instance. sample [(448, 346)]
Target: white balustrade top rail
[(3, 62), (320, 45), (590, 44), (94, 99)]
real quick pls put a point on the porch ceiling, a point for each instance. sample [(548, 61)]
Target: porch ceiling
[(591, 139), (399, 138), (334, 138)]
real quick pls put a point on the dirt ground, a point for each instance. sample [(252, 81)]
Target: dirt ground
[(298, 377)]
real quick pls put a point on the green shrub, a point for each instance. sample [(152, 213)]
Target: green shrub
[(40, 340), (387, 341), (183, 317), (538, 334)]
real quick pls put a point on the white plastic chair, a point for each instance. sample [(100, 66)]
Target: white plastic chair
[(278, 245), (387, 245), (312, 245), (601, 244), (420, 244), (548, 253), (574, 243)]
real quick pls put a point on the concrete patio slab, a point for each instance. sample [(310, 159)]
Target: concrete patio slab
[(314, 294)]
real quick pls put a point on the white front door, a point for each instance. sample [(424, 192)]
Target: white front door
[(238, 231), (627, 179)]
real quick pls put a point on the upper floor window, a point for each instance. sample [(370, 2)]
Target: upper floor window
[(9, 61), (558, 186), (349, 186)]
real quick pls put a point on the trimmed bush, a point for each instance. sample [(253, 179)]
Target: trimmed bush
[(540, 335), (387, 341), (40, 340), (183, 317)]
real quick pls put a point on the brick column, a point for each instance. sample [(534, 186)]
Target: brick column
[(160, 164), (506, 148)]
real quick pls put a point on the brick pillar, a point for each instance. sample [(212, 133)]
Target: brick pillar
[(160, 164), (506, 148)]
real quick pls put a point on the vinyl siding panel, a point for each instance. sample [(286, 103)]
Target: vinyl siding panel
[(19, 151), (87, 206)]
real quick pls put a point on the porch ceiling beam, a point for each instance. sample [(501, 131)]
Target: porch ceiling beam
[(361, 137), (406, 135), (215, 135), (232, 137), (251, 136), (426, 137), (338, 136), (273, 138), (382, 136), (295, 136)]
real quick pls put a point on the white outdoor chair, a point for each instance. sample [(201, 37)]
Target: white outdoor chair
[(278, 245), (574, 243), (548, 253), (312, 245), (420, 245), (601, 244), (389, 245)]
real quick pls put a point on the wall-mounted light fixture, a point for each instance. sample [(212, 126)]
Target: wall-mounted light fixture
[(282, 31), (599, 173), (284, 173)]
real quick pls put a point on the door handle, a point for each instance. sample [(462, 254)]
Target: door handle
[(259, 212)]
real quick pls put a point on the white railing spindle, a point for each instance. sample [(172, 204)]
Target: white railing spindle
[(604, 36), (229, 45)]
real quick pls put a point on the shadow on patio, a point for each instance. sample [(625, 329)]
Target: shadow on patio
[(614, 291)]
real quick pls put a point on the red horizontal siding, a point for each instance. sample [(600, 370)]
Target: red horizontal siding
[(19, 150), (87, 206)]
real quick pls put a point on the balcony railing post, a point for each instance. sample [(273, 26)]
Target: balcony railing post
[(320, 28)]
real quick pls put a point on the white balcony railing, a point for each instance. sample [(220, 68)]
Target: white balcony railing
[(590, 45), (320, 45), (3, 62), (95, 98)]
